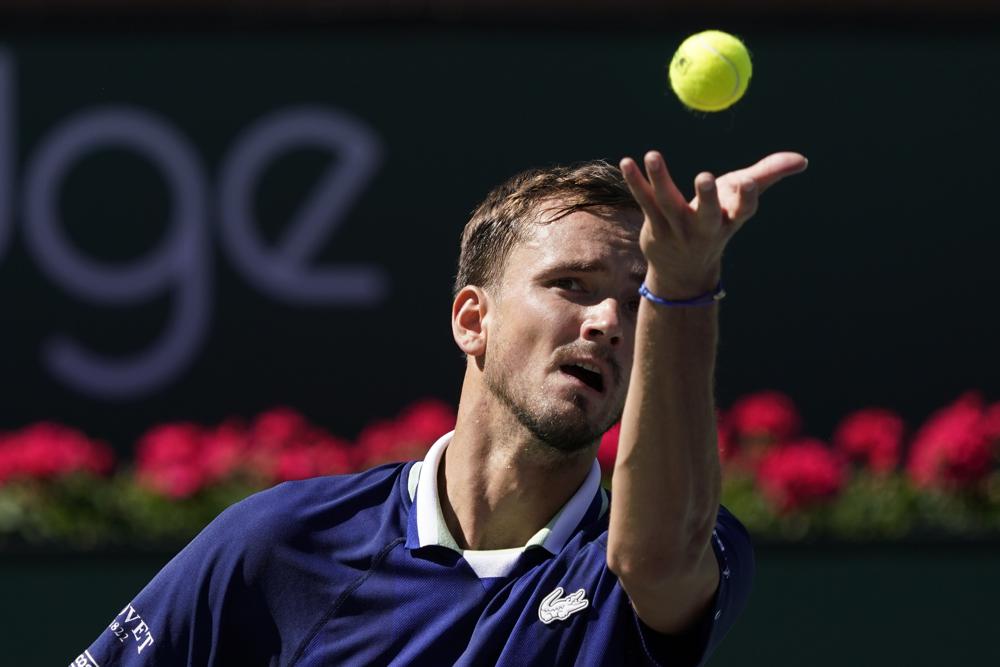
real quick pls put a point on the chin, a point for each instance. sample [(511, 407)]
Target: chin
[(563, 419), (591, 408), (571, 430)]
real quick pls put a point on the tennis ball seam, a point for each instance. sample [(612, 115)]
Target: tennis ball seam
[(736, 70)]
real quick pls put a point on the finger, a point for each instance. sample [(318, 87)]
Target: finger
[(744, 203), (671, 201), (640, 188), (709, 209), (773, 168)]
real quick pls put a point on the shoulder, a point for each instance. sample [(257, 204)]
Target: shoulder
[(319, 510), (303, 498), (251, 583)]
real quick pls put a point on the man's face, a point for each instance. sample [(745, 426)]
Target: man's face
[(560, 338)]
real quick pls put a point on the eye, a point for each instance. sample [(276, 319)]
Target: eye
[(571, 284)]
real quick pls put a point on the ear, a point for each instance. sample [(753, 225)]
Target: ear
[(468, 315)]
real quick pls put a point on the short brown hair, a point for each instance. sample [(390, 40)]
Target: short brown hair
[(502, 219)]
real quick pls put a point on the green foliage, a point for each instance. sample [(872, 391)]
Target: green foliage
[(874, 507), (82, 512), (152, 518), (871, 507)]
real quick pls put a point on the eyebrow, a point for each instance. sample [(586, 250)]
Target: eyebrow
[(597, 266)]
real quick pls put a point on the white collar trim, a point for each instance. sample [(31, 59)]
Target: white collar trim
[(432, 529)]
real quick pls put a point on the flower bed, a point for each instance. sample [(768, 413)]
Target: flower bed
[(871, 481)]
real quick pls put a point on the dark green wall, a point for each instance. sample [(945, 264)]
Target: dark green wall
[(869, 606), (869, 280)]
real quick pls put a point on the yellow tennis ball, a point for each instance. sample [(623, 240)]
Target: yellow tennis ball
[(710, 71)]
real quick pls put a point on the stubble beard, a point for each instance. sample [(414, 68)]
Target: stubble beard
[(562, 433)]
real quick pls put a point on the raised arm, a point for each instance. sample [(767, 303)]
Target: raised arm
[(667, 479)]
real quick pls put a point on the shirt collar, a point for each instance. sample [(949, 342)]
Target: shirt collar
[(431, 529)]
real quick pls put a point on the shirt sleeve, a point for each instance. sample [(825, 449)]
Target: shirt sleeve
[(734, 553), (200, 609)]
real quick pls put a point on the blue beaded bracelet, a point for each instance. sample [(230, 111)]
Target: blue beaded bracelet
[(705, 299)]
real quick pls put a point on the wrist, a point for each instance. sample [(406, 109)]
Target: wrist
[(681, 287), (706, 299)]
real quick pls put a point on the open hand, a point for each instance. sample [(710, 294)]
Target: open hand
[(683, 241)]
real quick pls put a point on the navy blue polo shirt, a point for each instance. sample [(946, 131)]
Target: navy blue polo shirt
[(361, 570)]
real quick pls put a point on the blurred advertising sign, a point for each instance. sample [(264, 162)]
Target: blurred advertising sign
[(180, 264)]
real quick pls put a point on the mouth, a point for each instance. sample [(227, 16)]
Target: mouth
[(589, 374)]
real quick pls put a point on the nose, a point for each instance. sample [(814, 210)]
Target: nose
[(603, 324)]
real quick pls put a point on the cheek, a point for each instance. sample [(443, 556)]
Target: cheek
[(531, 325), (547, 320)]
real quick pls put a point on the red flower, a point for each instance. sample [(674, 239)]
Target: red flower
[(168, 459), (279, 427), (295, 463), (167, 444), (873, 437), (406, 438), (224, 450), (608, 450), (767, 415), (46, 451), (726, 441), (179, 460), (176, 480), (285, 446), (333, 456), (991, 422), (325, 457), (799, 474), (377, 444), (427, 420), (956, 445)]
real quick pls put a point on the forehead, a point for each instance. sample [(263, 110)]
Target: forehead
[(585, 238)]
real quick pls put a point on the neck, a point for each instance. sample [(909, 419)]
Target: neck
[(497, 483)]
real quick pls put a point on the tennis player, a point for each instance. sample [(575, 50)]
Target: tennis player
[(585, 295)]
